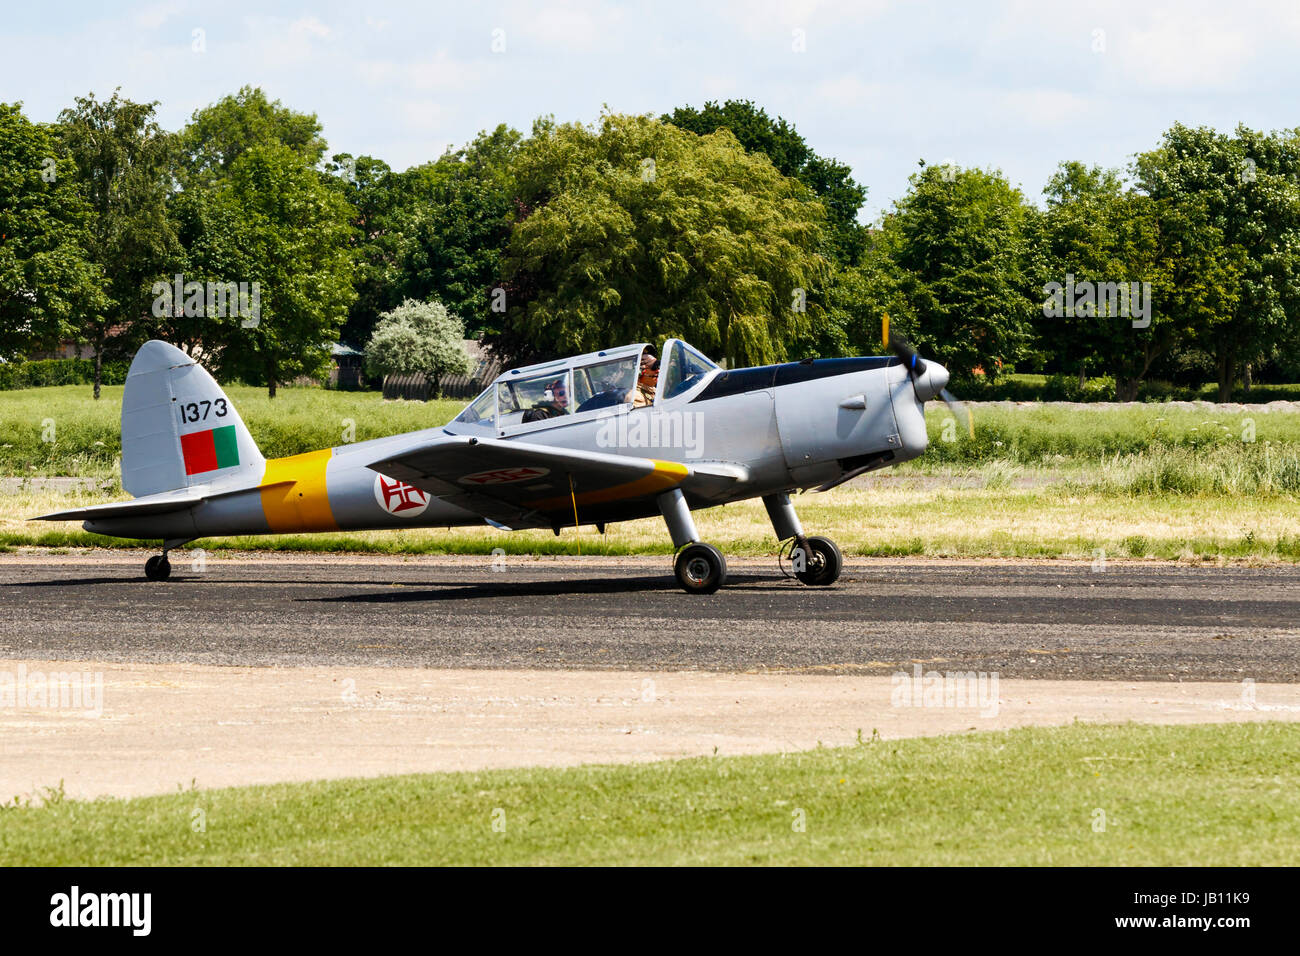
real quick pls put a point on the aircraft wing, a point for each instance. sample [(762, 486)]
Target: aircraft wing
[(520, 484)]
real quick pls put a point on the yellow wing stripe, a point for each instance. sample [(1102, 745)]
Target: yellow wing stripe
[(667, 474), (294, 496)]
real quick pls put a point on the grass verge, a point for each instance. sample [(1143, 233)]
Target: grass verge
[(1119, 795)]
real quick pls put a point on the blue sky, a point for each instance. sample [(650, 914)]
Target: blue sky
[(1018, 86)]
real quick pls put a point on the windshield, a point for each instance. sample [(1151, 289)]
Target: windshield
[(683, 366), (481, 411)]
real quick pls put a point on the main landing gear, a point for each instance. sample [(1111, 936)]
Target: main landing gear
[(158, 568), (701, 568), (817, 561)]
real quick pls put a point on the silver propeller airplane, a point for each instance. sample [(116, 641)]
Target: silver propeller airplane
[(590, 440)]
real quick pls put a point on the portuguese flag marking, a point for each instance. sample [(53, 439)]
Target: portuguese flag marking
[(210, 450)]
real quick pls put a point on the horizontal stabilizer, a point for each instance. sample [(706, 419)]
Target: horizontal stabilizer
[(140, 507), (160, 504)]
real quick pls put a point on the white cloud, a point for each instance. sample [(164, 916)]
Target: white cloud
[(275, 44), (1188, 53), (561, 28), (155, 15), (308, 26)]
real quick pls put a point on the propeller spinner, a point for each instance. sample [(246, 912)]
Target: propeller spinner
[(930, 379)]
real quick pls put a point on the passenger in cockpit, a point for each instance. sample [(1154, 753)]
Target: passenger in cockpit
[(648, 375)]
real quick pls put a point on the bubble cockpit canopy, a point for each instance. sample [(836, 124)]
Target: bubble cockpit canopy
[(583, 384)]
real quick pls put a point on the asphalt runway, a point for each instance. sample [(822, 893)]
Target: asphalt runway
[(1045, 620)]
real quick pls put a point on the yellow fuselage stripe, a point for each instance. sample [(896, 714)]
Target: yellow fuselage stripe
[(294, 496), (667, 474)]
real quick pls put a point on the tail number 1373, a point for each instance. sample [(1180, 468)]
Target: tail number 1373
[(199, 411)]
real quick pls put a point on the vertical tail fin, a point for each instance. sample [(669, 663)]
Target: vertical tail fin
[(178, 427)]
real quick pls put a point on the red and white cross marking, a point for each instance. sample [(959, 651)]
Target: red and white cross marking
[(504, 476), (399, 498)]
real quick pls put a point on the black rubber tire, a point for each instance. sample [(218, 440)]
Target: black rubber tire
[(700, 569), (158, 568), (822, 564)]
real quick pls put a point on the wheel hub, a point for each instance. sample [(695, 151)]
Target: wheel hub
[(697, 569)]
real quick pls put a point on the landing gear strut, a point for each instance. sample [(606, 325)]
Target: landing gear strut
[(700, 568), (158, 568), (817, 561)]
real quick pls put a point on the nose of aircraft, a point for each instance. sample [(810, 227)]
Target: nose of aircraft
[(930, 382)]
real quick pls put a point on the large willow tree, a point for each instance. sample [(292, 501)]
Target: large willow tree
[(635, 230)]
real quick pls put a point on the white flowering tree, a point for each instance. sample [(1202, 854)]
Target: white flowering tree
[(418, 337)]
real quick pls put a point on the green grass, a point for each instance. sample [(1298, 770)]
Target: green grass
[(1222, 795), (86, 437), (85, 434), (1069, 436), (1166, 482), (1124, 517), (1035, 387)]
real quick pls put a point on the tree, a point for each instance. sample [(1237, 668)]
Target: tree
[(434, 231), (213, 229), (1094, 232), (460, 228), (418, 337), (957, 249), (857, 300), (636, 229), (1235, 203), (381, 208), (121, 159), (830, 180), (46, 280), (753, 128), (278, 227), (256, 213), (218, 135)]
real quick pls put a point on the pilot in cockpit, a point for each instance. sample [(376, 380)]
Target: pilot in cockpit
[(555, 403)]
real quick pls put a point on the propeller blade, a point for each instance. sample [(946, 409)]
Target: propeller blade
[(900, 347), (959, 411)]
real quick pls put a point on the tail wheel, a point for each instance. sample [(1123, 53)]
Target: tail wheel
[(701, 569), (822, 562), (158, 568)]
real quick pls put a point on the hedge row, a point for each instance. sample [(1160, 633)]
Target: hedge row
[(69, 371)]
